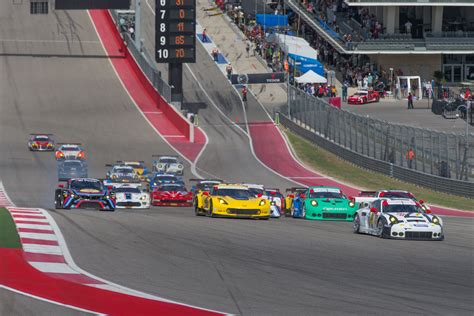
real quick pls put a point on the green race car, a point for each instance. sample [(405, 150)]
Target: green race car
[(327, 204)]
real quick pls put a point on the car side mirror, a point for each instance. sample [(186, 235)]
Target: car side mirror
[(61, 186), (373, 210), (205, 193)]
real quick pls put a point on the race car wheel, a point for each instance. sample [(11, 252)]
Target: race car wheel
[(356, 224), (211, 210), (197, 211), (379, 231)]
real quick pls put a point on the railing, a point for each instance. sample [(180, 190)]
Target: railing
[(437, 156)]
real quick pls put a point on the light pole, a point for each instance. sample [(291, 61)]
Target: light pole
[(391, 80), (467, 107)]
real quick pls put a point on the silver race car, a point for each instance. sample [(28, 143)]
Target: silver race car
[(168, 164), (398, 219), (121, 174)]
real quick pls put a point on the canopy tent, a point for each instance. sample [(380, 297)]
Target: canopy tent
[(283, 39), (303, 64), (272, 20), (311, 77), (299, 50)]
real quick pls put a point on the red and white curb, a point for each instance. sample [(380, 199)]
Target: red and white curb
[(4, 199)]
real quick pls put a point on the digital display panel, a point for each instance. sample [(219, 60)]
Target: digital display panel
[(175, 39)]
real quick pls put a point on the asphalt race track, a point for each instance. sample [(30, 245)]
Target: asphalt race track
[(277, 267)]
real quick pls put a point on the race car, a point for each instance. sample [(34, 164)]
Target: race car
[(121, 174), (171, 194), (168, 164), (202, 185), (370, 196), (398, 219), (233, 200), (324, 203), (163, 178), (69, 151), (293, 201), (256, 189), (84, 193), (68, 169), (363, 97), (139, 167), (41, 142), (277, 202), (131, 195)]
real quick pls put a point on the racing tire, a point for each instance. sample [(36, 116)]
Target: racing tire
[(211, 211), (356, 224), (197, 210), (379, 232), (377, 99)]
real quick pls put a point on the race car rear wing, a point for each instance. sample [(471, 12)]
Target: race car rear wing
[(368, 193), (122, 161), (296, 189), (272, 189), (78, 144), (46, 134), (201, 180), (174, 156)]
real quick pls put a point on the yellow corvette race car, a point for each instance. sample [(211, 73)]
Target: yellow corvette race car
[(232, 200)]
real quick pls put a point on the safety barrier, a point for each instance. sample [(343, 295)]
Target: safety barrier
[(441, 184), (151, 79)]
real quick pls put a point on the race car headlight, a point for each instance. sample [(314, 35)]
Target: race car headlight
[(107, 197), (435, 220), (160, 166), (180, 167), (314, 203), (50, 145), (222, 201), (262, 203), (351, 204), (272, 203), (114, 176), (393, 219), (154, 183), (143, 198)]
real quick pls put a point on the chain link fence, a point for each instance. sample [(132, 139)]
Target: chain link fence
[(427, 151)]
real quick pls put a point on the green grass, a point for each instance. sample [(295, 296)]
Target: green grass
[(333, 166), (8, 235)]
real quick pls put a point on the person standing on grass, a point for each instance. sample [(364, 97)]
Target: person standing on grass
[(410, 101)]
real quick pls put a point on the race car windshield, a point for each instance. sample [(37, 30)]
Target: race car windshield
[(123, 170), (238, 194), (81, 184), (206, 186), (360, 93), (41, 138), (127, 190), (174, 188), (326, 195), (168, 160), (255, 191), (72, 164), (69, 148), (397, 195), (402, 208), (274, 193), (166, 178)]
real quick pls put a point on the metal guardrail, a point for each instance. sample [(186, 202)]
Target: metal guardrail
[(145, 62), (439, 154), (437, 183)]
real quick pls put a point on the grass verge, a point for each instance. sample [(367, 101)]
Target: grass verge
[(9, 237), (333, 166)]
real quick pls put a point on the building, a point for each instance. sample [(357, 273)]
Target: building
[(416, 36)]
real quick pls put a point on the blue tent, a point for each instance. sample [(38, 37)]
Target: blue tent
[(272, 20), (304, 64)]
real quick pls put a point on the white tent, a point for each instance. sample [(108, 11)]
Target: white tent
[(303, 51), (406, 82), (283, 39), (311, 77)]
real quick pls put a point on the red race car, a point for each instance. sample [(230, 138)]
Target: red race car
[(363, 97), (41, 142), (171, 194)]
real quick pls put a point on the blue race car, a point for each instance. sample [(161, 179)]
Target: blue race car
[(84, 193), (163, 178)]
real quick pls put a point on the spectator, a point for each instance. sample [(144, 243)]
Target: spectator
[(244, 93), (344, 92), (410, 101), (410, 156), (215, 54), (204, 36), (408, 26), (228, 69)]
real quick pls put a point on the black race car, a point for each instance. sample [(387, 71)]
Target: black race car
[(84, 193)]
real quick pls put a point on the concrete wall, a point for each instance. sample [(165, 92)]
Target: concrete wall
[(411, 65)]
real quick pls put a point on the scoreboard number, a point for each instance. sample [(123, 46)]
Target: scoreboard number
[(175, 40)]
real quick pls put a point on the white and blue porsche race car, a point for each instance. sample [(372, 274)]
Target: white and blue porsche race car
[(398, 219), (168, 164)]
